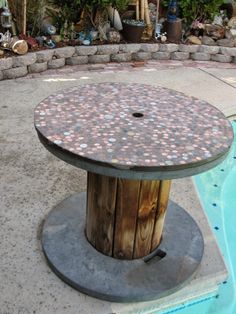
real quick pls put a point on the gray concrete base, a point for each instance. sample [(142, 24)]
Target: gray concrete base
[(161, 273)]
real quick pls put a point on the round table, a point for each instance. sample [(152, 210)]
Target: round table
[(132, 139)]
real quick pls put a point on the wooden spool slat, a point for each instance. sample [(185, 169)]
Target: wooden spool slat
[(161, 212), (126, 214), (148, 199), (101, 200), (125, 218)]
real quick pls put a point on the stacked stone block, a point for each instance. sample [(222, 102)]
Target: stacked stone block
[(40, 61)]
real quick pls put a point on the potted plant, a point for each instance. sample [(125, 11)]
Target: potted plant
[(133, 29)]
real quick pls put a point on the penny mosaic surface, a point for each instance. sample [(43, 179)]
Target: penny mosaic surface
[(133, 125)]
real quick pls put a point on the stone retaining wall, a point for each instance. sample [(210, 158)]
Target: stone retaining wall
[(40, 61)]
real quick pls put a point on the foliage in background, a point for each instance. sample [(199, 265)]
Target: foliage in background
[(71, 10), (62, 10), (95, 9), (36, 12), (201, 10), (16, 10)]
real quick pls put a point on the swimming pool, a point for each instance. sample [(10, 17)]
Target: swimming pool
[(216, 190), (217, 193)]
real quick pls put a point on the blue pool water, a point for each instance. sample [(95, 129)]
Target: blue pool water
[(217, 193)]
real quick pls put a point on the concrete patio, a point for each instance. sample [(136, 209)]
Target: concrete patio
[(33, 180)]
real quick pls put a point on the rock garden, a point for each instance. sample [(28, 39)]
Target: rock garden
[(48, 34)]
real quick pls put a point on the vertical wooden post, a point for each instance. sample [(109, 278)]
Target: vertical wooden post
[(24, 17), (137, 10), (125, 218)]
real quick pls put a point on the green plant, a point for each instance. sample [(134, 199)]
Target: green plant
[(62, 10), (200, 10)]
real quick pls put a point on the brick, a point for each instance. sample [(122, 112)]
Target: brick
[(15, 72), (107, 49), (5, 63), (77, 60), (86, 50), (228, 51), (130, 48), (149, 47), (38, 67), (99, 59), (161, 55), (56, 63), (179, 55), (200, 56), (64, 52), (209, 49), (141, 56), (188, 48), (44, 55), (121, 57), (221, 58), (24, 60), (168, 47)]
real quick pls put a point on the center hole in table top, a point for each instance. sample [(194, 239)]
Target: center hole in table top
[(137, 114)]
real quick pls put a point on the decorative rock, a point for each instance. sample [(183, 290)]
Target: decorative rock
[(168, 47), (64, 52), (228, 51), (206, 40), (130, 48), (149, 47), (44, 55), (194, 40), (141, 56), (1, 52), (188, 48), (228, 33), (221, 58), (121, 57), (25, 60), (215, 31), (38, 67), (86, 50), (225, 42), (161, 55), (232, 22), (200, 56), (1, 75), (15, 72), (99, 59), (209, 49), (57, 63), (180, 55), (5, 63), (107, 49), (232, 32), (77, 60)]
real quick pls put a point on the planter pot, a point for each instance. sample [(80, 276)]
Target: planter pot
[(132, 33), (174, 31)]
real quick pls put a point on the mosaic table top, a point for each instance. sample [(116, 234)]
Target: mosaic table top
[(133, 125)]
